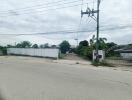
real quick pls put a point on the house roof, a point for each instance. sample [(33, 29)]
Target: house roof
[(124, 50)]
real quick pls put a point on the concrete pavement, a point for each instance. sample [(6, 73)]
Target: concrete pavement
[(23, 78)]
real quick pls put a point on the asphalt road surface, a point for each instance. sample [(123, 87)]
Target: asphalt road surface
[(24, 78)]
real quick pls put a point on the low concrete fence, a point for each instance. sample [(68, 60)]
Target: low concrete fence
[(46, 52), (119, 62)]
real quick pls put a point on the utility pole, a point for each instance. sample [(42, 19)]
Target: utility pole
[(91, 13), (76, 41)]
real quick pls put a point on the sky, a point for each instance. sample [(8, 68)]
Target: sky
[(52, 16)]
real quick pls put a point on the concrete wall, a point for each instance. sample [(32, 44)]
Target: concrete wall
[(101, 52), (47, 52), (127, 55)]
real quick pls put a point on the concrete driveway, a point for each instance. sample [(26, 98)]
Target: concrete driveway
[(25, 78)]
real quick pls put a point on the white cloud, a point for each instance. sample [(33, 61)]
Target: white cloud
[(114, 14)]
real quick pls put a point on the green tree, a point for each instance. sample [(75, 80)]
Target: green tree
[(111, 45), (88, 53), (85, 50), (46, 45), (19, 45), (84, 43), (24, 44), (35, 46), (10, 46), (92, 40), (41, 46), (110, 49), (64, 46), (129, 46), (3, 50), (102, 42)]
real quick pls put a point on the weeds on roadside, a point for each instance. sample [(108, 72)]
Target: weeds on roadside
[(103, 63)]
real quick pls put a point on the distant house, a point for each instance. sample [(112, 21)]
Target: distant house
[(125, 53)]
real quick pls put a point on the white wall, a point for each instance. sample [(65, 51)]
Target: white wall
[(101, 52), (127, 55), (47, 52)]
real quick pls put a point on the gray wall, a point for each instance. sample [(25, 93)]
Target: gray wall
[(47, 52), (126, 55)]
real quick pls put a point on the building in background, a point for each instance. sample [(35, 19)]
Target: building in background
[(125, 53)]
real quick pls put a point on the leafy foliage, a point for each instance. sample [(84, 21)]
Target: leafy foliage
[(46, 45), (84, 43), (85, 50), (24, 44), (64, 46), (110, 49), (3, 50), (104, 63), (35, 46)]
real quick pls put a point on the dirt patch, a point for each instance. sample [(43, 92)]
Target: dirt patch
[(72, 56)]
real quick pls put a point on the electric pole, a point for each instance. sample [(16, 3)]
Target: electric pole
[(91, 13), (77, 41)]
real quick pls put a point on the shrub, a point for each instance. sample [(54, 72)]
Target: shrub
[(3, 50)]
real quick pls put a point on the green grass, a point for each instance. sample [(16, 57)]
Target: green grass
[(61, 56), (103, 63), (114, 58)]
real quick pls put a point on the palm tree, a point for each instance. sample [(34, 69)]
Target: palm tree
[(102, 42), (92, 41)]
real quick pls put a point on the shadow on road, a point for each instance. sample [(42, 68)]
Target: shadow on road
[(1, 97)]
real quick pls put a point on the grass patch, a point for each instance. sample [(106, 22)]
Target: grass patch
[(61, 56), (115, 58), (103, 63)]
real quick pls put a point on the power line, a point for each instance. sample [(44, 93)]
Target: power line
[(55, 32), (71, 31), (65, 38), (40, 7), (80, 22), (44, 11), (65, 31)]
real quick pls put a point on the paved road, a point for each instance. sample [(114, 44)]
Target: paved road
[(38, 79)]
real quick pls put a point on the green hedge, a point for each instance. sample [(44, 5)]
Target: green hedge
[(3, 50)]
